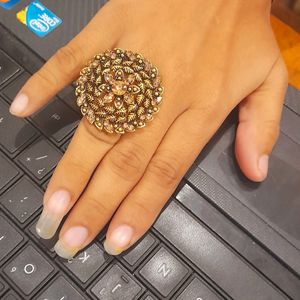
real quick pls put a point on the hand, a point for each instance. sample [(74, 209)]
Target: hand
[(212, 55)]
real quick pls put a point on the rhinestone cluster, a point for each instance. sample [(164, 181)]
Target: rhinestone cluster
[(119, 91)]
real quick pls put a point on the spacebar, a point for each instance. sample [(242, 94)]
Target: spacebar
[(213, 257)]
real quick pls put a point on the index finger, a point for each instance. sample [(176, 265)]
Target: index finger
[(64, 66)]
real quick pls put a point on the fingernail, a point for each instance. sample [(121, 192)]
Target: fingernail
[(263, 165), (71, 242), (54, 211), (19, 104), (118, 240)]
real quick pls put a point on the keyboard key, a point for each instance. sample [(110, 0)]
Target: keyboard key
[(28, 270), (136, 253), (116, 284), (40, 158), (8, 67), (164, 272), (60, 289), (8, 171), (197, 290), (11, 90), (10, 238), (22, 200), (207, 252), (87, 263), (56, 120), (14, 132)]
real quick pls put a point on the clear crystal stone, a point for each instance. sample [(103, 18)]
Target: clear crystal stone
[(119, 87)]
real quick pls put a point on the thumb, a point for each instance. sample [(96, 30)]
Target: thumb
[(259, 123)]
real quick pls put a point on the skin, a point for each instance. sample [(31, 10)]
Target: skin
[(213, 56)]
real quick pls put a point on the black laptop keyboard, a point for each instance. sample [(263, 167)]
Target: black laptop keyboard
[(181, 257)]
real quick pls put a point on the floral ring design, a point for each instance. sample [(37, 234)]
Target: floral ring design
[(119, 91)]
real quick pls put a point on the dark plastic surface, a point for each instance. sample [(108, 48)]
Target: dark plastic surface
[(212, 256), (240, 241)]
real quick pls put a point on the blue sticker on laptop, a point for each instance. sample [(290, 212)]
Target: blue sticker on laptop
[(8, 4), (38, 18)]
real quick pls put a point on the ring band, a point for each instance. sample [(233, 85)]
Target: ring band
[(119, 91)]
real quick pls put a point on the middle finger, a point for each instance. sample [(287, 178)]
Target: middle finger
[(116, 175), (72, 174)]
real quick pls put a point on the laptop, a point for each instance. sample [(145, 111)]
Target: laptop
[(220, 236)]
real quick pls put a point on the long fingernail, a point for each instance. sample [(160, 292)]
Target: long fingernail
[(71, 242), (19, 104), (263, 165), (54, 211), (118, 240)]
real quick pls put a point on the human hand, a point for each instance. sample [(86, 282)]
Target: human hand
[(212, 56)]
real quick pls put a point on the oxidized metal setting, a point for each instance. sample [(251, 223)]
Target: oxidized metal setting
[(119, 91)]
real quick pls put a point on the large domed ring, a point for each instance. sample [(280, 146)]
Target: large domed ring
[(119, 91)]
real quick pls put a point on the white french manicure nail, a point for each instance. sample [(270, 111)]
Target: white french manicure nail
[(118, 240), (19, 104), (54, 211), (71, 242)]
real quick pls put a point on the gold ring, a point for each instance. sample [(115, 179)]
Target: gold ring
[(119, 91)]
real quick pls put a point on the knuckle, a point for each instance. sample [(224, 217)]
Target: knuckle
[(66, 59), (127, 161), (142, 214), (46, 78), (166, 168), (95, 205), (144, 209), (64, 63)]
